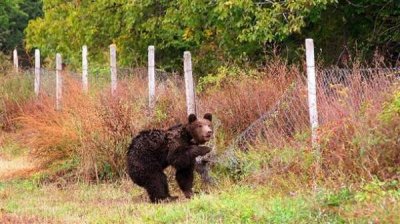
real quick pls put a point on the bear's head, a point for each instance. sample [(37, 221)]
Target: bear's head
[(200, 128)]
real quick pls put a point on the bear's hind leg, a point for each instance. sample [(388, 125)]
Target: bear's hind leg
[(184, 177), (157, 187)]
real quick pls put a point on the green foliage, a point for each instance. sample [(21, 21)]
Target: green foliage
[(161, 111), (213, 30), (14, 16), (10, 13), (358, 28), (222, 75), (217, 32), (261, 159)]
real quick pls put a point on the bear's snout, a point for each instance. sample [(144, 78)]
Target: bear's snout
[(208, 134)]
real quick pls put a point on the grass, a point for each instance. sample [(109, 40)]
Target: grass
[(15, 91), (258, 195), (121, 202)]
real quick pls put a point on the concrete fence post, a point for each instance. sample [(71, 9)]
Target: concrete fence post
[(312, 92), (113, 67), (15, 60), (37, 72), (151, 74), (189, 86), (59, 81), (85, 85)]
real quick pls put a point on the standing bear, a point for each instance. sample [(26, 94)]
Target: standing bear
[(152, 151)]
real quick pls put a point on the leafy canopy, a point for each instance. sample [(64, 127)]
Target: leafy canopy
[(214, 30), (14, 16)]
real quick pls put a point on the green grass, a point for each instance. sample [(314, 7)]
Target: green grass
[(121, 202)]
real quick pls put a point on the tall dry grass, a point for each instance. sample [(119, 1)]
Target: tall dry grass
[(358, 136), (15, 91), (241, 99), (93, 129), (96, 129), (361, 144)]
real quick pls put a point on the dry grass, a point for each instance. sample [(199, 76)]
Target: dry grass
[(240, 100), (96, 129), (91, 127), (15, 91), (357, 143), (357, 138)]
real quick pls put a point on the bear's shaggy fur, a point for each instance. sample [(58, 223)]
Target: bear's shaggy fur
[(151, 151)]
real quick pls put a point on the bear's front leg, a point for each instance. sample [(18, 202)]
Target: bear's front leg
[(184, 157), (198, 150), (184, 177)]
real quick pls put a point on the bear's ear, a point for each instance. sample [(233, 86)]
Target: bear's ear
[(192, 118), (208, 116)]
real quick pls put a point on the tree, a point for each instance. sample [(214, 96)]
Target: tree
[(362, 26), (215, 31), (14, 17), (11, 24)]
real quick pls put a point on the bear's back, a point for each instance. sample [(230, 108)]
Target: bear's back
[(152, 146), (148, 142)]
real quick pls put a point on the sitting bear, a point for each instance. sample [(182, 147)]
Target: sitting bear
[(152, 151)]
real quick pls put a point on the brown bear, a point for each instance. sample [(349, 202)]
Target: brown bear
[(152, 151)]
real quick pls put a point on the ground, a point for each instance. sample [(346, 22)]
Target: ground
[(29, 200), (120, 203)]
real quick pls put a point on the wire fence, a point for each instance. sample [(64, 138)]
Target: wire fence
[(337, 89), (97, 78), (340, 93), (48, 79)]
